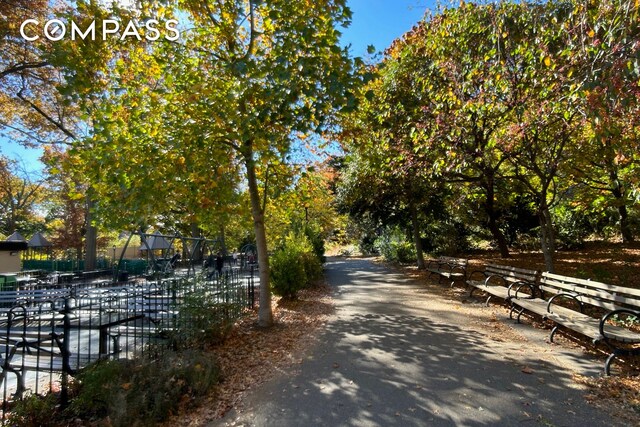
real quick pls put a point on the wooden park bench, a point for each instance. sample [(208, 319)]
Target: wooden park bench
[(454, 269), (499, 280), (605, 313)]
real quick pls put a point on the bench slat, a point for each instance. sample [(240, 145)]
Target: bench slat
[(614, 289)]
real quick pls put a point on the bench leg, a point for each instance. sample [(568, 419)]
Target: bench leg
[(608, 362), (116, 343), (487, 300), (553, 332), (519, 314)]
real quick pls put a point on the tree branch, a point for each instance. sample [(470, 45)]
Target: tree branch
[(26, 66), (50, 119)]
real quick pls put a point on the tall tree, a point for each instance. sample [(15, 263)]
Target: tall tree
[(606, 43), (20, 192), (241, 84)]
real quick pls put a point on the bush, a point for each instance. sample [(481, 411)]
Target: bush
[(33, 411), (572, 228), (406, 252), (202, 320), (317, 242), (294, 266), (394, 246), (142, 392), (446, 238)]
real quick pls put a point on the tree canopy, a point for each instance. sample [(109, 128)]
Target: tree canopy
[(505, 103)]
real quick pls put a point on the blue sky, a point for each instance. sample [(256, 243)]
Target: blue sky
[(375, 22)]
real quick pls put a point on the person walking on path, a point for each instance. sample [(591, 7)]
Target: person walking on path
[(399, 352), (219, 263)]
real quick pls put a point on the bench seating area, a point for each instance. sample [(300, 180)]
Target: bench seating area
[(499, 280), (453, 269), (604, 313)]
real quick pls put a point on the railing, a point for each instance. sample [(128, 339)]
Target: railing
[(47, 335)]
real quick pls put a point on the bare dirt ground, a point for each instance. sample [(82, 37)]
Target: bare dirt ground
[(251, 356)]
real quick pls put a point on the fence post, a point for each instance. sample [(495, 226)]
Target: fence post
[(252, 290), (66, 368)]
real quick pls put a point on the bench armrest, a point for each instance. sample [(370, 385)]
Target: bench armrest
[(495, 276), (434, 263), (613, 313), (518, 285), (477, 273), (565, 295), (457, 267)]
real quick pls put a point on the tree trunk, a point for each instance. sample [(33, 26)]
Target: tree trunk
[(547, 238), (625, 228), (492, 224), (198, 252), (265, 315), (415, 225), (620, 202), (90, 238), (223, 242)]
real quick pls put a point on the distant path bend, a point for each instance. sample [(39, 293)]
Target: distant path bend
[(396, 353)]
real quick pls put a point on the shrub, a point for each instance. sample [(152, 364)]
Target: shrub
[(33, 411), (316, 240), (294, 266), (312, 267), (394, 246), (202, 320), (406, 252), (572, 228), (446, 238), (142, 392)]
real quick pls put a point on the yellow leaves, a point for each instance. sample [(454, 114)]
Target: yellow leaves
[(547, 61), (592, 33)]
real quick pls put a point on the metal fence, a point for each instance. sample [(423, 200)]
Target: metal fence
[(48, 335)]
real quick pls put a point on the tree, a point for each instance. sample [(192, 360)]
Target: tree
[(606, 42), (66, 216), (20, 192), (246, 79)]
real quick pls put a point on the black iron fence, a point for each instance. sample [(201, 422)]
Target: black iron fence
[(47, 335)]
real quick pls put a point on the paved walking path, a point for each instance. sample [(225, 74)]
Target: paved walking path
[(396, 353)]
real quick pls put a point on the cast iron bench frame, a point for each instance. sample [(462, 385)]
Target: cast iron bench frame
[(454, 269), (555, 289), (498, 281)]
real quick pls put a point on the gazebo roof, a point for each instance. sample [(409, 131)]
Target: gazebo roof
[(16, 237), (38, 241), (155, 241)]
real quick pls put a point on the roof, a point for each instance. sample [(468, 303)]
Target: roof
[(155, 241), (38, 241), (16, 237)]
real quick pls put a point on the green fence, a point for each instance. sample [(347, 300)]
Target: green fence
[(133, 266)]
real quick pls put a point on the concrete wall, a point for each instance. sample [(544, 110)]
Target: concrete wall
[(9, 263), (132, 252)]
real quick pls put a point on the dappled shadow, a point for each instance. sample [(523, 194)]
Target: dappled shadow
[(386, 361)]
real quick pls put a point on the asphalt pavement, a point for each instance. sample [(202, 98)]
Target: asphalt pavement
[(396, 354)]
